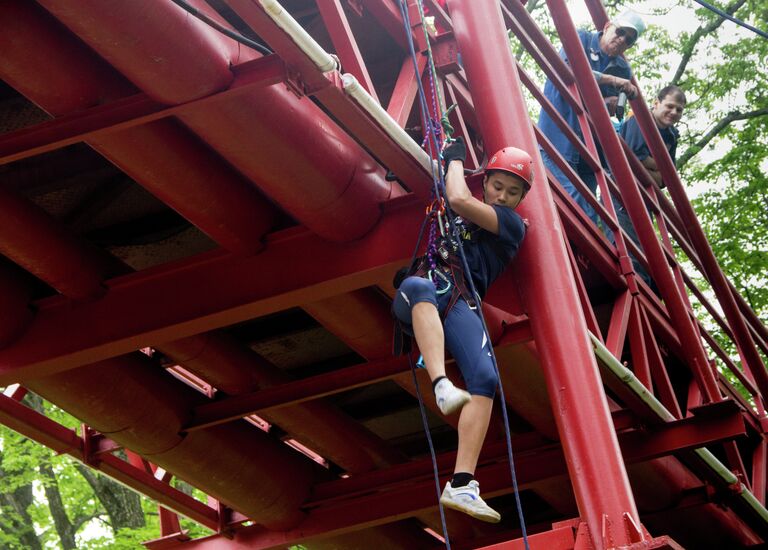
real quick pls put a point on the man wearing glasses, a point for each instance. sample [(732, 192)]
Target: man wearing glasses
[(604, 51)]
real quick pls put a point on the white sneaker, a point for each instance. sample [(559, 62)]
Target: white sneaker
[(467, 499), (450, 398)]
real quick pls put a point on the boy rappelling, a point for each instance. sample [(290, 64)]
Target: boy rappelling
[(437, 306)]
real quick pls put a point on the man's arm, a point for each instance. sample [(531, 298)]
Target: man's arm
[(621, 84), (618, 84), (653, 169)]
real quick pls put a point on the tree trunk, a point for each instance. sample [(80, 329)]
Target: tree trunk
[(15, 520), (64, 527), (123, 506)]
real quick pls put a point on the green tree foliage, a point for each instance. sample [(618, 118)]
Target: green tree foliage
[(52, 501)]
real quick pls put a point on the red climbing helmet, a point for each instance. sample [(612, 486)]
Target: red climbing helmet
[(515, 161)]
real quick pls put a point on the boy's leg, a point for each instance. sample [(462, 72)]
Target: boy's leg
[(428, 331), (471, 349), (416, 304), (473, 425)]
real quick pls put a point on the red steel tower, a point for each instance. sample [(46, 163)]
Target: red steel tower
[(199, 237)]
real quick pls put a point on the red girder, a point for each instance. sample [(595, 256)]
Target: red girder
[(87, 332), (63, 440)]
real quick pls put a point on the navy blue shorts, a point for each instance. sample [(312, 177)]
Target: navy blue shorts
[(464, 335)]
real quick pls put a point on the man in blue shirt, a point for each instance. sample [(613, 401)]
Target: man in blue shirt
[(667, 109), (604, 51)]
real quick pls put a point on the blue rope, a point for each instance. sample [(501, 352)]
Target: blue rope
[(435, 471), (439, 190), (436, 184)]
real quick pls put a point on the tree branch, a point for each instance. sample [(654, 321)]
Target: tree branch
[(690, 47), (733, 116), (81, 520)]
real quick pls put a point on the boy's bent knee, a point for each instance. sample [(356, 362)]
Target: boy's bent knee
[(484, 382), (417, 289), (412, 291)]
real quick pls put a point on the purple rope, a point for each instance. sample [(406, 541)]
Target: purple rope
[(432, 247)]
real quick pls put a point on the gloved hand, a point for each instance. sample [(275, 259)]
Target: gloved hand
[(456, 150)]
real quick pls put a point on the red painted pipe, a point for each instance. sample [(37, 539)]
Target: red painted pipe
[(16, 293), (285, 144), (138, 405), (155, 138), (146, 140), (593, 456), (180, 170), (196, 65), (235, 369), (290, 149), (53, 69), (32, 239)]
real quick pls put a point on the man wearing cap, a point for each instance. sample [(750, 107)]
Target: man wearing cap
[(604, 51)]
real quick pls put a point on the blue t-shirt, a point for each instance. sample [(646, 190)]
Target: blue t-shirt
[(631, 133), (599, 61), (489, 254)]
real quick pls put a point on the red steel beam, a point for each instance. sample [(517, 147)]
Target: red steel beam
[(404, 93), (77, 334), (586, 305), (387, 13), (61, 74), (81, 333), (560, 538), (128, 112), (594, 460), (291, 393), (337, 24), (640, 364), (232, 408), (656, 364), (405, 490), (689, 433), (587, 237), (235, 369), (53, 435), (617, 328)]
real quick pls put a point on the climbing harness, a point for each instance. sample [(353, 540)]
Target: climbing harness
[(441, 219)]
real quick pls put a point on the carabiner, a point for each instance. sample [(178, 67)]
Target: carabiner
[(441, 275)]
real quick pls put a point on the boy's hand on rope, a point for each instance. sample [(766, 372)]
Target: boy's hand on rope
[(456, 150)]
